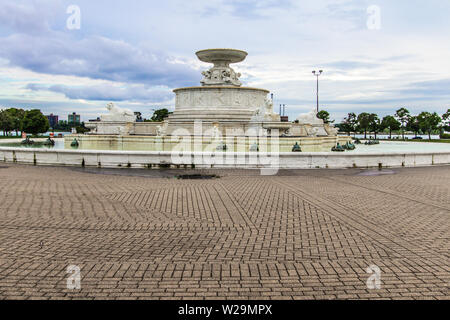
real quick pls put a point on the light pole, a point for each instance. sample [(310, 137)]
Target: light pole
[(317, 74)]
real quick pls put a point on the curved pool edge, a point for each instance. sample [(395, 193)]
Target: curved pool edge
[(237, 160)]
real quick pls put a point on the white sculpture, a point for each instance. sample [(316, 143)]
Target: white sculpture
[(331, 130), (258, 115), (314, 126), (269, 114), (118, 114), (161, 129), (313, 132), (269, 106), (309, 118), (265, 112), (215, 132)]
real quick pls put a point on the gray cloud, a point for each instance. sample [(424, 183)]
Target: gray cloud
[(30, 18), (255, 8), (346, 65), (96, 58), (431, 89), (33, 45), (108, 92)]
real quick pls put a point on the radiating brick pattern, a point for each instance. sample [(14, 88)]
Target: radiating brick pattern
[(143, 234)]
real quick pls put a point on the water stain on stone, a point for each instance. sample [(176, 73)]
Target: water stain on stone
[(380, 172)]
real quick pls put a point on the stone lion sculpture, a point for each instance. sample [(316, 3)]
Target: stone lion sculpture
[(118, 114), (268, 103), (309, 118), (265, 112)]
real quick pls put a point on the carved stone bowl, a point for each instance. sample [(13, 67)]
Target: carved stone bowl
[(221, 55)]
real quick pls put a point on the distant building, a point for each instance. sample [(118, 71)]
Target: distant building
[(52, 120), (74, 118), (284, 118)]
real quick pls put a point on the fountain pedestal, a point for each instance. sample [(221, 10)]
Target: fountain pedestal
[(221, 97)]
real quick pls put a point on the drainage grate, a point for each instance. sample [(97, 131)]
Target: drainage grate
[(197, 176)]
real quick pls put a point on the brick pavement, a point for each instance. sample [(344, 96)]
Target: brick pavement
[(303, 234)]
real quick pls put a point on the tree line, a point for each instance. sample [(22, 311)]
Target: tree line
[(30, 121), (403, 120), (34, 122)]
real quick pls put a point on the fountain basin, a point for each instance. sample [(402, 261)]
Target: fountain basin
[(430, 154), (202, 143)]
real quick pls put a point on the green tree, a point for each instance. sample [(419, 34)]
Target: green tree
[(413, 125), (35, 122), (62, 125), (160, 114), (6, 122), (374, 124), (402, 115), (389, 122), (429, 122), (364, 122), (16, 116), (446, 120), (344, 127), (350, 123), (325, 116), (82, 128)]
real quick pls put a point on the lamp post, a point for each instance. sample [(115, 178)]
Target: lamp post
[(317, 74)]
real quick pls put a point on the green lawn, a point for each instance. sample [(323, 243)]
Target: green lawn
[(416, 140)]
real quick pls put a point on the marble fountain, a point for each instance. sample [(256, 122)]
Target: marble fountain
[(219, 124), (221, 111)]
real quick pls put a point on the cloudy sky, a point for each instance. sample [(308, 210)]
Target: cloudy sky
[(134, 52)]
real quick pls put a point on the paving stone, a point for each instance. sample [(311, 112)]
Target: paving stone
[(302, 234)]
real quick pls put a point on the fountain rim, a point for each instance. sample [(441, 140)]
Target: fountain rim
[(221, 54), (283, 153), (220, 87)]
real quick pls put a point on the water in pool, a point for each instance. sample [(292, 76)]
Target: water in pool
[(383, 147)]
